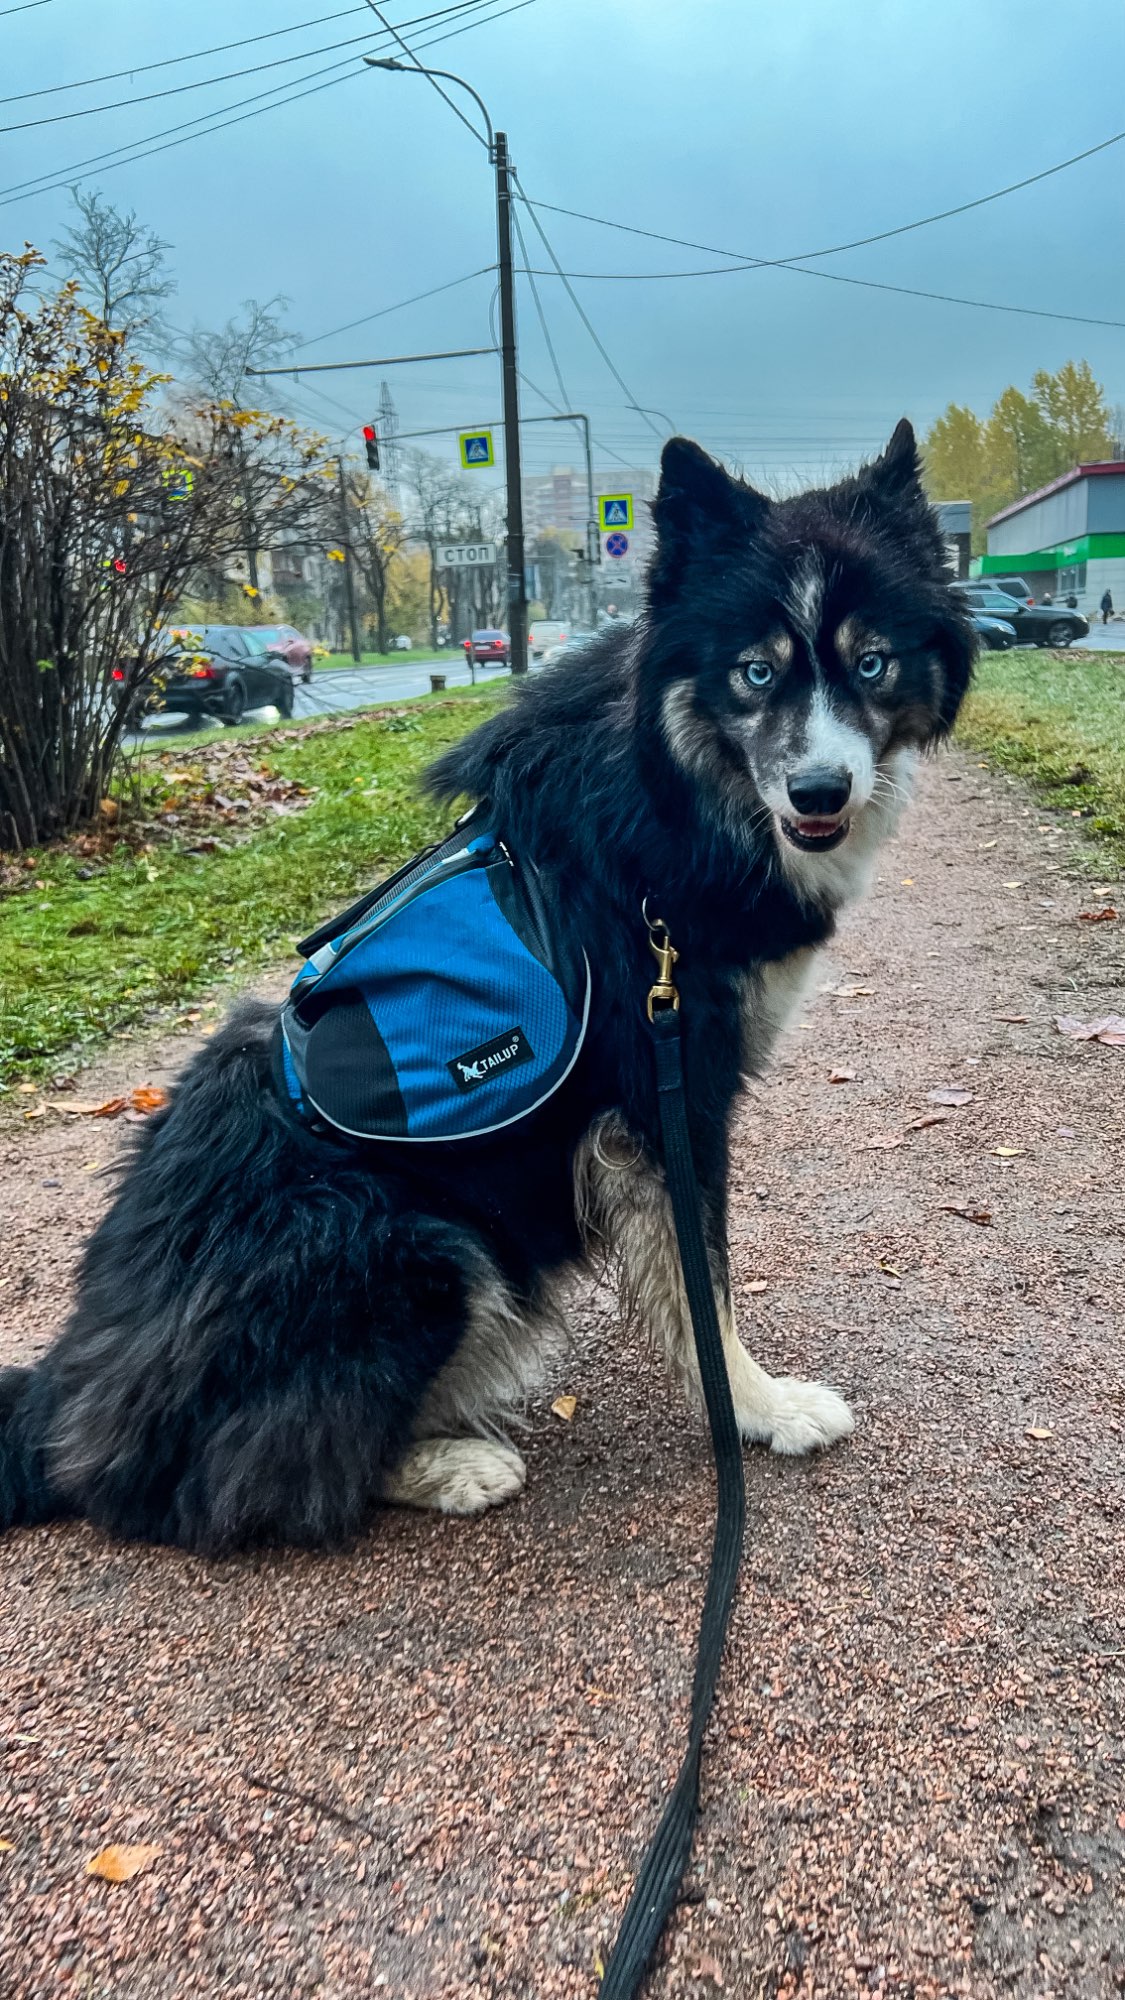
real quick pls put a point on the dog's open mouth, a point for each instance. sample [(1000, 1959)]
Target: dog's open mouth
[(815, 836)]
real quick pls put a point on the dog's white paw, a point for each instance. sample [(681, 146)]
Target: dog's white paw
[(457, 1475), (805, 1416)]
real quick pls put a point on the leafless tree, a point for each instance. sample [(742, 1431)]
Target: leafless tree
[(214, 361), (117, 262)]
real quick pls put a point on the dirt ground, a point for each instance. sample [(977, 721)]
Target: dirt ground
[(427, 1768)]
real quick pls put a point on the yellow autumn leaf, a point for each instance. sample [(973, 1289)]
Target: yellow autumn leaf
[(120, 1864), (335, 555), (1007, 1152), (564, 1407), (7, 1846)]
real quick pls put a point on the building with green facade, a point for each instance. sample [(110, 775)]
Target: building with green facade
[(1068, 538)]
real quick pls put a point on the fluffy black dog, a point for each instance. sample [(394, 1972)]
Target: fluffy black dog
[(274, 1332)]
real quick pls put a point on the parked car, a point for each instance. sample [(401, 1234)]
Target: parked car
[(1035, 624), (403, 644), (1012, 586), (213, 670), (995, 634), (545, 635), (282, 642), (487, 647)]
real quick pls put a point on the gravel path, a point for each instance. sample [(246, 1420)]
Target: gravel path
[(427, 1768)]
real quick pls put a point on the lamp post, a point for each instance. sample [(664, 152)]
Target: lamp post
[(509, 378), (643, 411)]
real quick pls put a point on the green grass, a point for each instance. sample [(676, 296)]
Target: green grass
[(1058, 721), (420, 656), (83, 958)]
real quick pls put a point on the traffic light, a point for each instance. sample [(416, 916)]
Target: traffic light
[(371, 446)]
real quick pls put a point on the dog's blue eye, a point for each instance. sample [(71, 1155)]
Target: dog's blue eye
[(871, 666), (759, 673)]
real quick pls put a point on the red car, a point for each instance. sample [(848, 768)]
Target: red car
[(488, 647)]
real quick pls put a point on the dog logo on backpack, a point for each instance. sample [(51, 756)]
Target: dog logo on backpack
[(481, 1064)]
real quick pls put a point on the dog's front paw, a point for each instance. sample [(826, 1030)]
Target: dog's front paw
[(456, 1475), (806, 1416)]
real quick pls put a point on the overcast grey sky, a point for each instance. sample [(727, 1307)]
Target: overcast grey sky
[(769, 130)]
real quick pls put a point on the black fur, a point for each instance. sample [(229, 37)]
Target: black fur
[(261, 1312)]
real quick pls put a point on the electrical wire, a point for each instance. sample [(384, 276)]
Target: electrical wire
[(545, 329), (837, 278), (856, 242), (228, 76), (382, 312), (25, 7), (582, 313), (105, 162), (167, 62)]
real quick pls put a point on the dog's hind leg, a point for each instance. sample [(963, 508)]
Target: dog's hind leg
[(623, 1199)]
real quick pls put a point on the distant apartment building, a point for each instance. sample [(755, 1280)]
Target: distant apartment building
[(1068, 538)]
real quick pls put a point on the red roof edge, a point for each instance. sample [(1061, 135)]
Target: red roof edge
[(1097, 470)]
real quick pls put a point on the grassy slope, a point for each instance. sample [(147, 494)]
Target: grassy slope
[(81, 958), (1058, 720)]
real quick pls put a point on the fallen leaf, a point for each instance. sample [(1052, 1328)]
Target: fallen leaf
[(756, 1285), (889, 1269), (1039, 1432), (1109, 1028), (110, 1109), (7, 1846), (1007, 1152), (929, 1118), (885, 1142), (982, 1216), (1106, 915), (27, 1089), (564, 1407), (147, 1097), (984, 845), (908, 882), (847, 992), (120, 1864), (1017, 1019), (1013, 885), (841, 1076), (954, 1096), (110, 810), (40, 1111)]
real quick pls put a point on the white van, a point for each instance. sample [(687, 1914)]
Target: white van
[(545, 635)]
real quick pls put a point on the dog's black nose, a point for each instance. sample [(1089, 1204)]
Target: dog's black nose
[(821, 792)]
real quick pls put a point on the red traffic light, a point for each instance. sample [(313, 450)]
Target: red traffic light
[(371, 446)]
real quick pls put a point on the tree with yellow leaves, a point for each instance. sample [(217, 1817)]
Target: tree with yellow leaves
[(106, 515)]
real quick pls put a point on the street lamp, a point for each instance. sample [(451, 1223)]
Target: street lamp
[(662, 414), (509, 378)]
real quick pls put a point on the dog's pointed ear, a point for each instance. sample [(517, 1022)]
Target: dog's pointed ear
[(897, 472), (698, 508)]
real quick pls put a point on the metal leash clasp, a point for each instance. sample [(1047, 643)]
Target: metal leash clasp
[(663, 993)]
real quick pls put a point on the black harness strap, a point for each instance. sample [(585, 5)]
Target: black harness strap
[(654, 1892)]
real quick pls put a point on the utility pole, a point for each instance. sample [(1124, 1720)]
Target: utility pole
[(349, 566), (517, 573)]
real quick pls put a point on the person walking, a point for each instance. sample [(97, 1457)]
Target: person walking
[(1107, 606)]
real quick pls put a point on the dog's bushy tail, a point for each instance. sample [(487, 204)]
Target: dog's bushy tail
[(26, 1496)]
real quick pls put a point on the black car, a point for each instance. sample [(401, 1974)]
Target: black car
[(214, 670), (996, 635), (1035, 624)]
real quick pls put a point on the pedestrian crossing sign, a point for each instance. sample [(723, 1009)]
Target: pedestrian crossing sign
[(615, 510), (476, 449)]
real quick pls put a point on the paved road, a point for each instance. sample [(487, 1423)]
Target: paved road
[(913, 1781), (1103, 638), (345, 688)]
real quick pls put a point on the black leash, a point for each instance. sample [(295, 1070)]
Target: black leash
[(661, 1872)]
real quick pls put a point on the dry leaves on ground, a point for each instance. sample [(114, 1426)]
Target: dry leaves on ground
[(841, 1076), (954, 1096), (1106, 915), (884, 1142), (1039, 1432), (120, 1864), (927, 1119), (981, 1216), (1109, 1028), (564, 1407), (847, 992), (141, 1101)]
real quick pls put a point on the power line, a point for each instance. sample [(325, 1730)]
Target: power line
[(227, 76), (414, 300), (405, 46), (745, 257), (836, 278), (141, 149), (581, 311), (24, 7), (167, 62), (546, 331)]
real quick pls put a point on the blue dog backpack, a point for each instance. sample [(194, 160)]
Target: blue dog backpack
[(439, 1007)]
